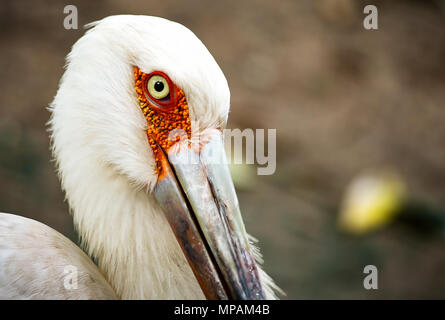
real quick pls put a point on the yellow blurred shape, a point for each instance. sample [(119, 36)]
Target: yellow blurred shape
[(371, 201)]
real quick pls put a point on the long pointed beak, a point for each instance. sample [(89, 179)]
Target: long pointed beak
[(196, 192)]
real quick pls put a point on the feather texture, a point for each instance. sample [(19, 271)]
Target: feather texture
[(34, 260)]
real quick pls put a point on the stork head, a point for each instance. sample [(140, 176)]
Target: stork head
[(149, 102)]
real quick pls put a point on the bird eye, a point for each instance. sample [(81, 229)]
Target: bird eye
[(158, 87)]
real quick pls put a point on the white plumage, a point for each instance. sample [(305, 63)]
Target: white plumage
[(108, 173), (34, 260)]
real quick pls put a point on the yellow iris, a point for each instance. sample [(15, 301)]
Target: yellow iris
[(158, 87)]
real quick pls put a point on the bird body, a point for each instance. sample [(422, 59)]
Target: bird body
[(34, 260), (110, 175)]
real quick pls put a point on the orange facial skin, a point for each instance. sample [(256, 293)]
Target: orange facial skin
[(164, 117)]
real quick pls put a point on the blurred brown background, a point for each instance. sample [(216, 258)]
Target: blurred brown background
[(342, 99)]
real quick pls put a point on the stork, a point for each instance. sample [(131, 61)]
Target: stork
[(136, 134)]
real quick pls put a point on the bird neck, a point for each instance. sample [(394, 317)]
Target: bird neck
[(126, 232)]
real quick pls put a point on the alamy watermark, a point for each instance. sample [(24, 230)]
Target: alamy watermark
[(255, 148), (249, 147), (70, 278), (371, 280), (371, 20), (71, 19)]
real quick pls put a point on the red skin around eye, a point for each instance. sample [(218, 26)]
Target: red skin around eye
[(160, 104), (162, 116)]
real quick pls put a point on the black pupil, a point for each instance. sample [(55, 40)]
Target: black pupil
[(159, 86)]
